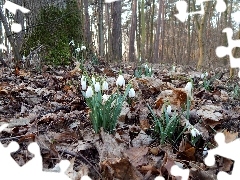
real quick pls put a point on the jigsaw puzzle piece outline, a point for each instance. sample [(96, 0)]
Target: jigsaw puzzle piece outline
[(227, 150), (182, 7), (222, 51)]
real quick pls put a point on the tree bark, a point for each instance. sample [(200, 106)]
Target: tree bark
[(116, 31), (10, 38), (157, 39), (131, 54)]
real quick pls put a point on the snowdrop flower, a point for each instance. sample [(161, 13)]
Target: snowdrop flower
[(169, 109), (131, 93), (105, 85), (93, 80), (146, 66), (83, 82), (97, 86), (188, 88), (83, 47), (89, 92), (204, 75), (205, 151), (120, 81), (23, 58), (194, 132), (84, 85), (105, 98), (78, 49), (174, 68)]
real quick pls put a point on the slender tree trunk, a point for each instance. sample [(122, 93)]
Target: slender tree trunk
[(157, 39), (143, 31), (201, 40), (162, 29), (151, 32), (188, 36), (10, 38), (116, 31), (87, 32), (100, 27), (131, 53)]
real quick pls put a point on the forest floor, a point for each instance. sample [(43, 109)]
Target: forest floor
[(49, 108)]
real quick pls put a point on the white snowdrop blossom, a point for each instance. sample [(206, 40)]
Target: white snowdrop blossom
[(97, 87), (83, 82), (174, 68), (89, 92), (105, 86), (84, 85), (188, 88), (205, 150), (120, 81), (93, 80), (169, 109), (105, 98), (131, 93), (78, 49), (83, 48), (146, 66), (204, 75), (194, 132), (23, 58)]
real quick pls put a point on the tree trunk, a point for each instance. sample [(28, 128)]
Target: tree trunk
[(100, 27), (131, 55), (10, 38), (201, 40), (157, 39), (151, 32), (116, 31), (87, 32), (143, 31)]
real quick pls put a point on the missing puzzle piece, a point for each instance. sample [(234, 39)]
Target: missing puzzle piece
[(182, 7), (222, 51), (227, 150), (9, 169)]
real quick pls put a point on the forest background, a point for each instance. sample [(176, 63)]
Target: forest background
[(129, 31)]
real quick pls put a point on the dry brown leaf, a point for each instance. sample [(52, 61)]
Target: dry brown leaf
[(137, 155), (119, 168), (226, 165), (179, 97), (210, 112), (229, 136), (144, 124), (186, 151), (142, 140)]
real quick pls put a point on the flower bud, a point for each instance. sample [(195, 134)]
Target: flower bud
[(120, 81), (105, 86), (131, 93), (169, 109), (97, 87), (89, 92)]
